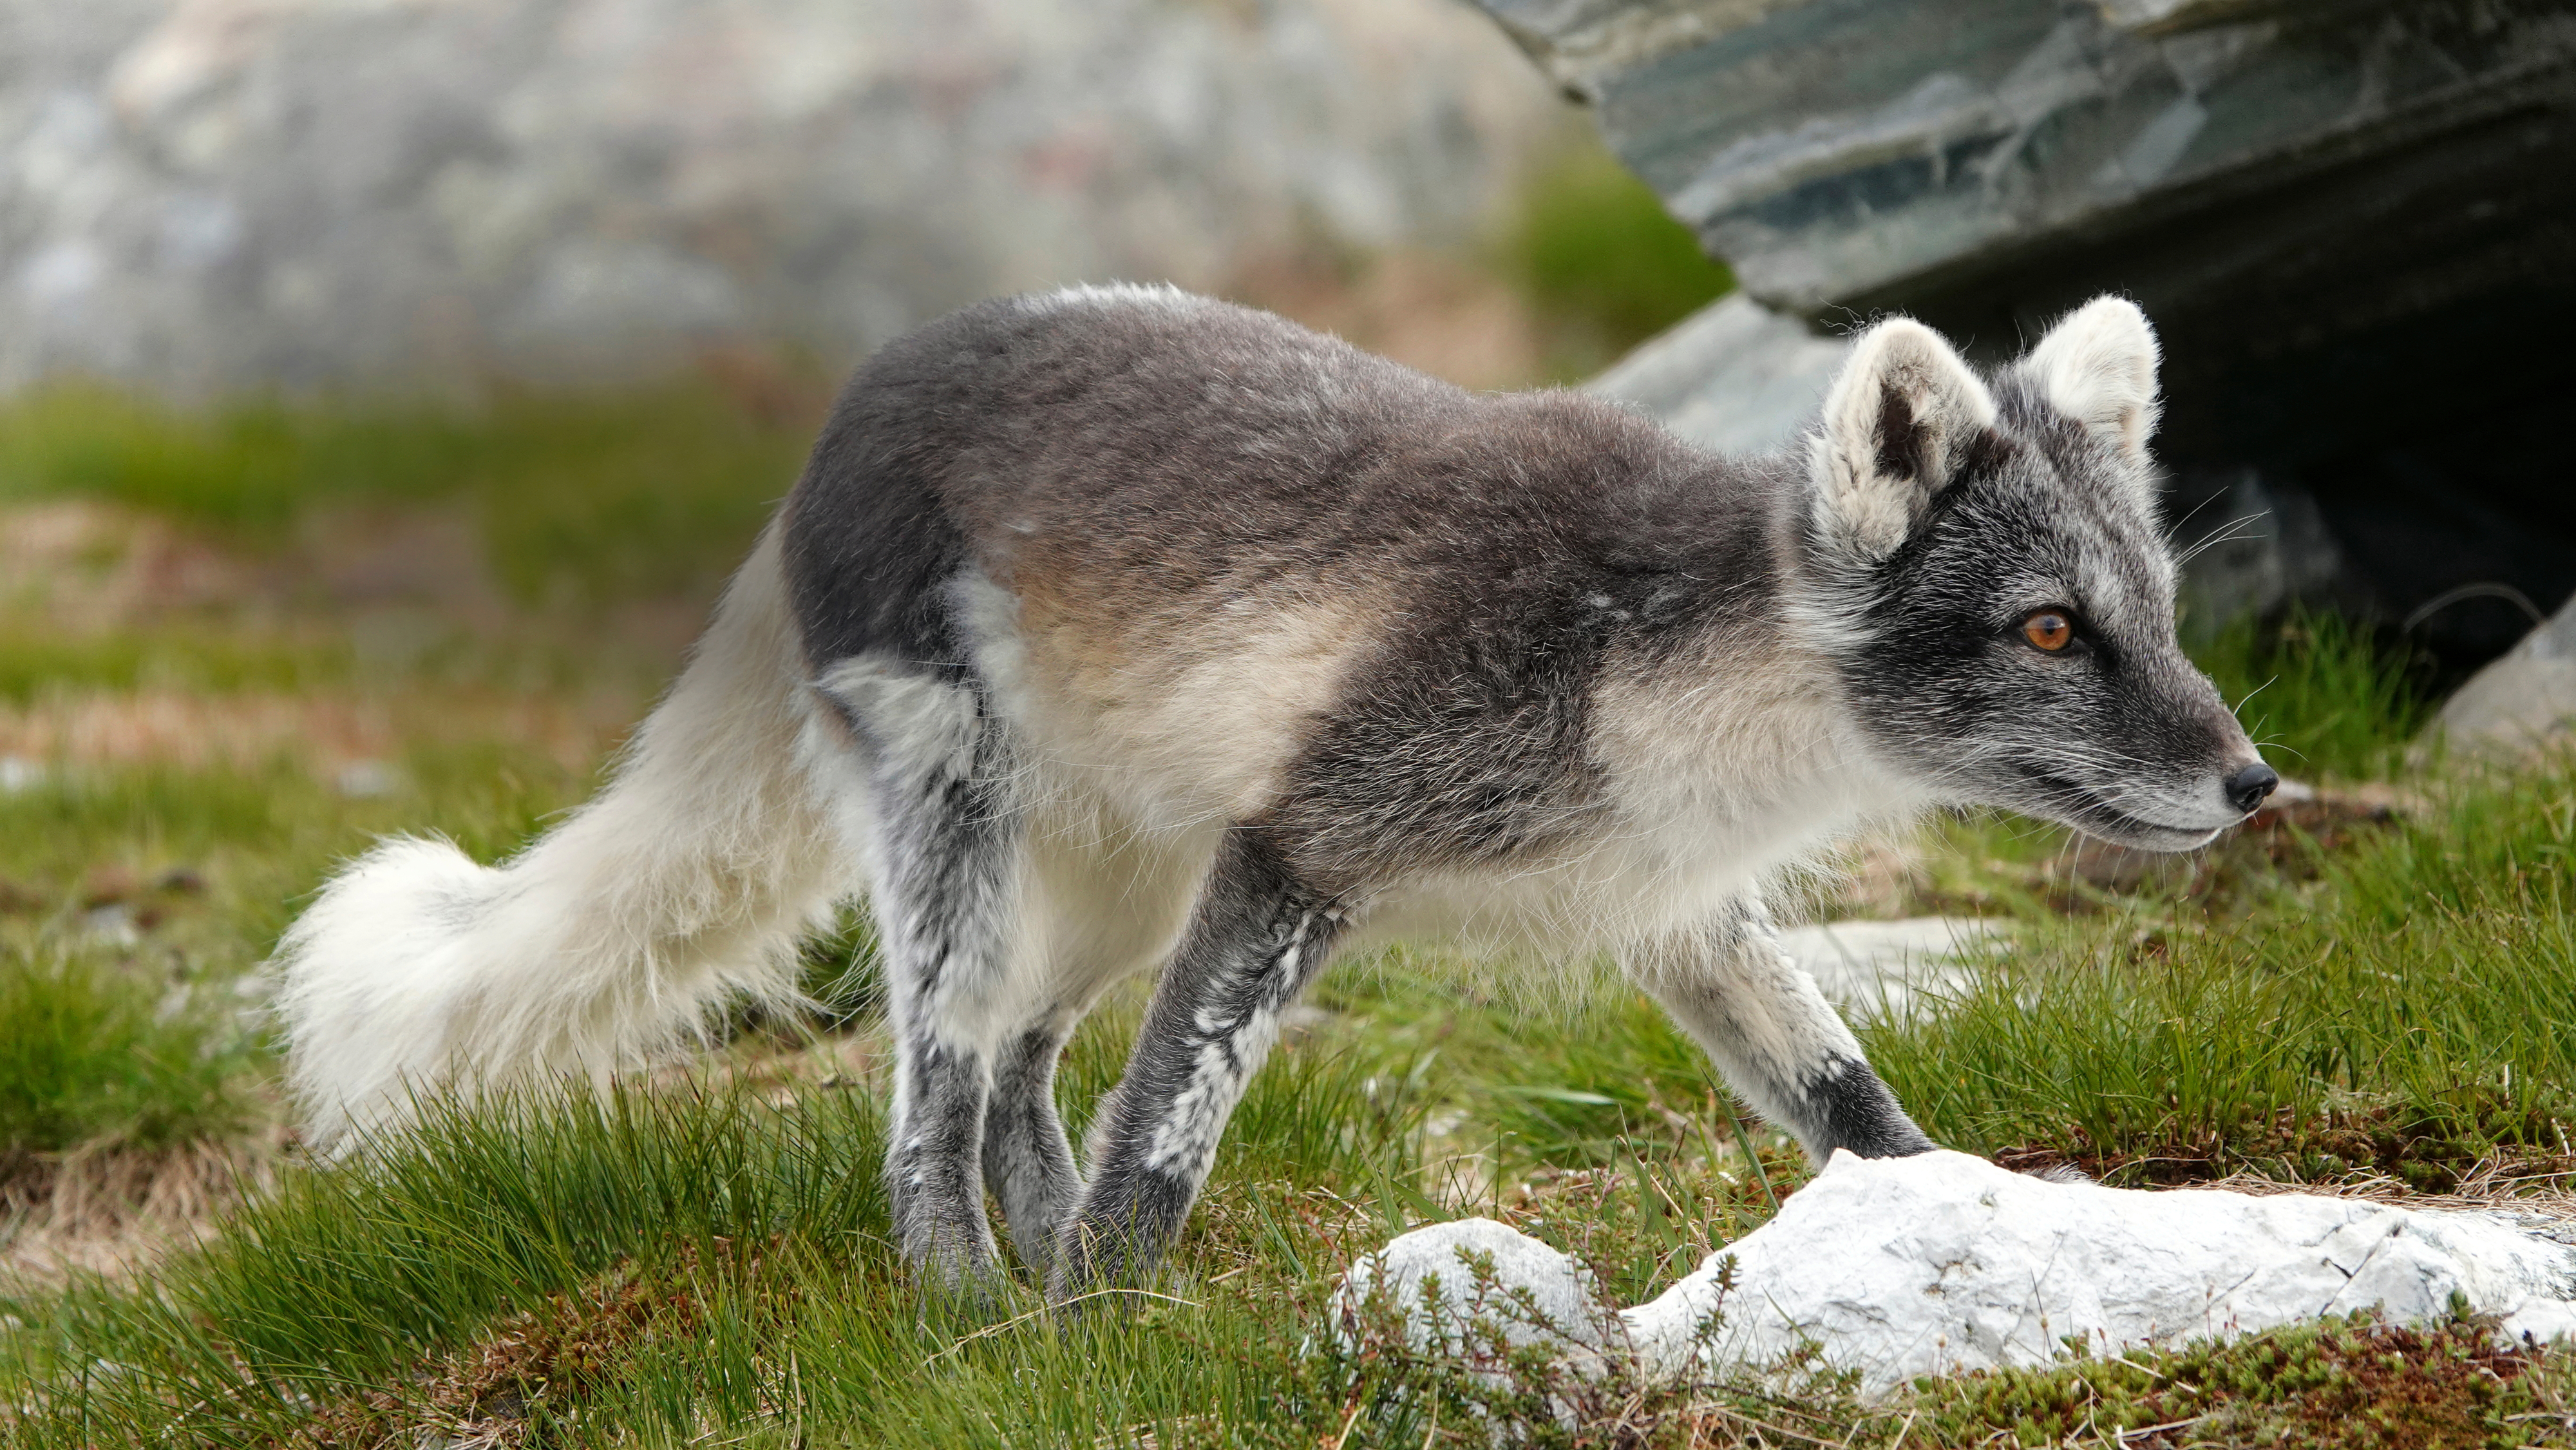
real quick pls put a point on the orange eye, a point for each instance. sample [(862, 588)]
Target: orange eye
[(2048, 630)]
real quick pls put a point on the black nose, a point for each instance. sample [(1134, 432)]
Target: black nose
[(2247, 787)]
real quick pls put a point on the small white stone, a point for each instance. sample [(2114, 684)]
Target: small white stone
[(1569, 1312)]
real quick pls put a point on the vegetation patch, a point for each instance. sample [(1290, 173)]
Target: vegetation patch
[(100, 1058), (2352, 1384), (1604, 263), (580, 497), (2420, 993), (525, 1380)]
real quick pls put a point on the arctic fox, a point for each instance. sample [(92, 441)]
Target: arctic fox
[(1118, 628)]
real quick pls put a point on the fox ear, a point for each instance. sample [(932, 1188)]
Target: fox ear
[(2098, 367), (1899, 421)]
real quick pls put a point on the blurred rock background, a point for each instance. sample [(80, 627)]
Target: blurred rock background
[(361, 360), (206, 197)]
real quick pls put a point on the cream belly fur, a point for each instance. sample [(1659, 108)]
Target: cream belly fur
[(1717, 788)]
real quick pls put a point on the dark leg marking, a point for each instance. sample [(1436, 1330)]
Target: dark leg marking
[(1256, 938)]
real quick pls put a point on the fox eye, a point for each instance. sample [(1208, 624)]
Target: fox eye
[(2048, 629)]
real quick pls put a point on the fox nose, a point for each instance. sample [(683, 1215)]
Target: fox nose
[(2247, 788)]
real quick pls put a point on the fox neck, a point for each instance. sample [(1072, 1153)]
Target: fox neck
[(1736, 754)]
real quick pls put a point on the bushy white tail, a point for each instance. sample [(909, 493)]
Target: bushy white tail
[(685, 883)]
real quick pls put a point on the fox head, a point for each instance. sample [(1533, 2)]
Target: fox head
[(1979, 557)]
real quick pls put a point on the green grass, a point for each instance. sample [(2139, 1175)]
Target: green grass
[(146, 1046), (2406, 1004), (102, 1057), (712, 1263), (580, 497), (2412, 1008), (1603, 262), (2322, 695), (772, 1222), (690, 1267), (257, 840), (38, 662), (698, 1264)]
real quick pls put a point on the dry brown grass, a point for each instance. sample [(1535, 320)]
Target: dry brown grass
[(1427, 310), (2540, 1187), (116, 1213)]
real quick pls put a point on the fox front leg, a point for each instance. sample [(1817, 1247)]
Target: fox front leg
[(1256, 938), (1732, 986)]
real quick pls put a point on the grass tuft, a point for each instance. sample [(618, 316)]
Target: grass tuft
[(93, 1055), (2416, 1002)]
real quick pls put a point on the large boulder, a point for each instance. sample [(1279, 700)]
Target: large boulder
[(2354, 226), (212, 194), (1904, 1267)]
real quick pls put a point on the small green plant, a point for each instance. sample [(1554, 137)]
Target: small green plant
[(2335, 1384)]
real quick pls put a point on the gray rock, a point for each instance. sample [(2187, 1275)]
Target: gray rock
[(2354, 226), (213, 194), (1735, 376), (2520, 701), (1833, 150), (2251, 547), (1944, 1262)]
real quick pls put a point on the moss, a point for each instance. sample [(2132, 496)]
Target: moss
[(2352, 1384)]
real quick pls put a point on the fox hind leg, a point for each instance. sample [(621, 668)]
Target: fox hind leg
[(1027, 1159), (1110, 902), (930, 812)]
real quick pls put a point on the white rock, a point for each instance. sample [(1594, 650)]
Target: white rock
[(367, 779), (1563, 1307), (2520, 700), (1903, 1267)]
